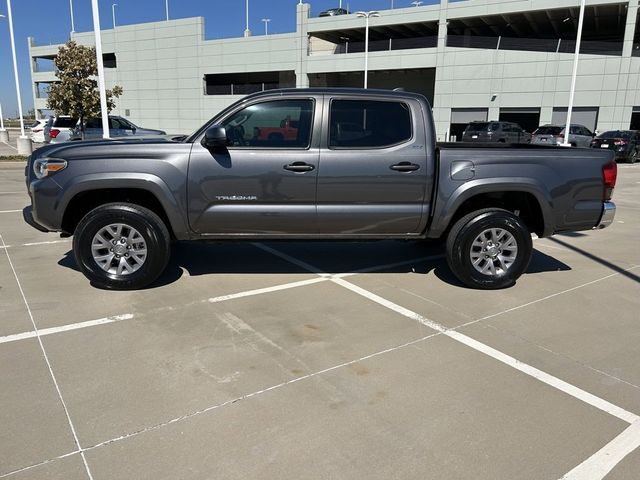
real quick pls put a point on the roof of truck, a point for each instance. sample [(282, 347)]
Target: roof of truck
[(336, 90)]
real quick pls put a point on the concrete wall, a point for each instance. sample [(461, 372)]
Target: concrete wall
[(161, 66)]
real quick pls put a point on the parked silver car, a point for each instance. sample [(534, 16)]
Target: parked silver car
[(502, 132), (579, 135), (118, 127)]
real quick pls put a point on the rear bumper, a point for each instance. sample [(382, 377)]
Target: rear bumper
[(608, 212)]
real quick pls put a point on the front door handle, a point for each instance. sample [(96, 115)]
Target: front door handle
[(299, 167), (405, 167)]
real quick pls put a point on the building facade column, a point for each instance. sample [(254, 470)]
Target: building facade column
[(630, 28), (302, 18)]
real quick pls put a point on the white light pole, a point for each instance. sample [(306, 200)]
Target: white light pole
[(103, 94), (166, 8), (366, 15), (73, 28), (4, 136), (113, 13), (247, 32), (266, 25), (24, 144), (567, 129)]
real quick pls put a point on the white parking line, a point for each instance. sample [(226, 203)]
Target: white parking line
[(33, 244), (544, 377), (65, 328), (10, 211), (46, 358), (599, 464)]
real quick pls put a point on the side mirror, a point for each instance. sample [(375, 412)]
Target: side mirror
[(214, 137)]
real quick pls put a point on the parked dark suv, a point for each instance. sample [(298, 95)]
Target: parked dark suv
[(626, 144), (503, 132)]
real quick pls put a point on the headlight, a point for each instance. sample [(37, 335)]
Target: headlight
[(44, 167)]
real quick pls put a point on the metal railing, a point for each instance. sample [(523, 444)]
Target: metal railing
[(556, 45), (389, 44), (243, 88)]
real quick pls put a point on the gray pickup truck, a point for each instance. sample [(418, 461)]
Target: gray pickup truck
[(314, 164)]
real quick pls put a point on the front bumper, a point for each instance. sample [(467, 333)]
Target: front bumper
[(608, 212), (27, 214)]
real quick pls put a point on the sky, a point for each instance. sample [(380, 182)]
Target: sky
[(49, 22)]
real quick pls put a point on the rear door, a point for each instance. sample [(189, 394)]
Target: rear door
[(373, 175), (264, 182)]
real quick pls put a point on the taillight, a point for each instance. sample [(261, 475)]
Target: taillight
[(609, 176), (53, 133), (561, 135), (621, 142)]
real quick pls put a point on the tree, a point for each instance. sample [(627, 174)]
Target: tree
[(77, 92)]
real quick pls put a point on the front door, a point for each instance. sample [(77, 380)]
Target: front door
[(373, 176), (264, 182)]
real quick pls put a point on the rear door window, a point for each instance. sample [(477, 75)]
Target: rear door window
[(368, 124), (548, 130), (64, 122)]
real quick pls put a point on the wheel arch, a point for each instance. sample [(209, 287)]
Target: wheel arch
[(526, 197), (147, 191)]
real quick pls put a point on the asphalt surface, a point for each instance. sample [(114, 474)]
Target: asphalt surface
[(299, 360)]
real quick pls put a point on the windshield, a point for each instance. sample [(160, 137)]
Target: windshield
[(616, 134), (548, 131)]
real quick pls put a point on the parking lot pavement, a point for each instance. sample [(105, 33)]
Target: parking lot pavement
[(321, 360)]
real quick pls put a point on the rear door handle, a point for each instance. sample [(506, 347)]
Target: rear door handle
[(404, 167), (299, 167)]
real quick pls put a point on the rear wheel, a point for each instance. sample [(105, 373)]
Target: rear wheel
[(633, 157), (489, 249), (121, 246)]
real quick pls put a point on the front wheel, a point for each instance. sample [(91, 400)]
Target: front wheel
[(489, 249), (121, 246)]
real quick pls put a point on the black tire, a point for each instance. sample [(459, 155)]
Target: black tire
[(469, 228), (150, 227), (633, 157)]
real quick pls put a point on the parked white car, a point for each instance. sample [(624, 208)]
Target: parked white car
[(36, 130), (59, 129)]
